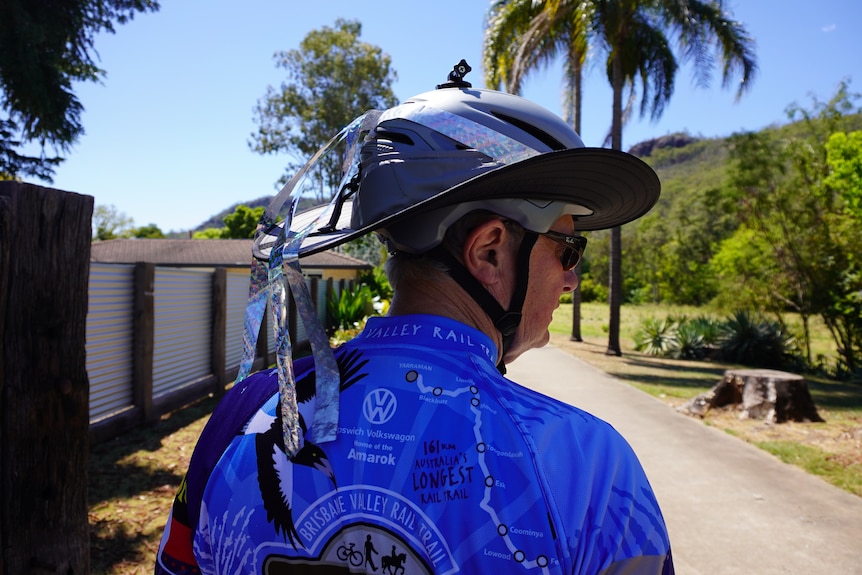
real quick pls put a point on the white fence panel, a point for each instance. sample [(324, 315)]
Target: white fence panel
[(182, 328), (110, 338), (237, 298)]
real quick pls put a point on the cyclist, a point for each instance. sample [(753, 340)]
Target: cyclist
[(480, 197)]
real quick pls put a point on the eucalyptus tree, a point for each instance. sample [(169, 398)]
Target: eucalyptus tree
[(798, 188), (332, 78)]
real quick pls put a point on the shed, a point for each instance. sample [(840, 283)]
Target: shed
[(217, 253)]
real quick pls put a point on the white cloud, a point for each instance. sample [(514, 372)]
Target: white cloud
[(829, 28)]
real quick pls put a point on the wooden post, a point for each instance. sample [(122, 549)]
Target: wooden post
[(44, 390), (218, 351), (6, 232), (144, 337), (330, 292)]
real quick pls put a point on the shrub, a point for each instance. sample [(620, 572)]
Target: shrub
[(709, 328), (377, 282), (688, 342), (678, 337), (592, 291), (750, 339), (348, 308), (655, 337)]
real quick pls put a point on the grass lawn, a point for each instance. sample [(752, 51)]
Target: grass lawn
[(133, 478)]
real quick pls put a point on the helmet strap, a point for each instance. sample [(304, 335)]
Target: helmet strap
[(506, 321)]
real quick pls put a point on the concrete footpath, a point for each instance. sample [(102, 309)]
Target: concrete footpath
[(730, 507)]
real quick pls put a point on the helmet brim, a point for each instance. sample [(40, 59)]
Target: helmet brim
[(614, 186)]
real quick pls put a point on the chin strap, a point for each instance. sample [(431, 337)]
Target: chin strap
[(506, 321)]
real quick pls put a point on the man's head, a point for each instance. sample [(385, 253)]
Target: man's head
[(483, 252), (420, 167)]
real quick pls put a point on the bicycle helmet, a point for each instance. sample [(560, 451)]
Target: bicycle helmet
[(444, 153)]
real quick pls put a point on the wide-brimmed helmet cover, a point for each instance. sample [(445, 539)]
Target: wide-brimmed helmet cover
[(439, 155)]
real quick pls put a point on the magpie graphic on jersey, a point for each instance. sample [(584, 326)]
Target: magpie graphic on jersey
[(275, 475), (275, 471)]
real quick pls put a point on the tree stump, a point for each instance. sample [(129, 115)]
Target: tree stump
[(770, 395)]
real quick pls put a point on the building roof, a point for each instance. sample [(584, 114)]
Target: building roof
[(204, 253)]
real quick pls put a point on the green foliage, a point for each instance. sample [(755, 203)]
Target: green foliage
[(750, 339), (150, 231), (377, 282), (691, 341), (367, 248), (348, 308), (242, 223), (655, 337), (844, 157), (217, 220), (592, 291), (744, 338), (208, 234), (678, 337), (44, 50), (109, 223), (790, 194), (332, 78), (744, 271)]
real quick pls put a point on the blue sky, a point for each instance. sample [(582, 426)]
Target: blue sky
[(167, 131)]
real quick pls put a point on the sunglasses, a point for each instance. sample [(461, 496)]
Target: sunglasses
[(574, 248)]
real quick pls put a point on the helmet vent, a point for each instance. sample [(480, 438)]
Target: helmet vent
[(540, 135), (394, 136)]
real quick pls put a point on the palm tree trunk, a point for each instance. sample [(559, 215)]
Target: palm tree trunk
[(616, 293), (576, 294), (576, 309), (616, 280)]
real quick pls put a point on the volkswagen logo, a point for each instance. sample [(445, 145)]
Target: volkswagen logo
[(379, 406)]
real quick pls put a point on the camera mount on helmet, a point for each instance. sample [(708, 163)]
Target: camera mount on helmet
[(456, 76)]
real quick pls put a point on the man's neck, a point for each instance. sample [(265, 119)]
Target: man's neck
[(444, 297)]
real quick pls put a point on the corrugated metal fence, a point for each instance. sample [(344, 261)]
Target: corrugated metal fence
[(160, 337)]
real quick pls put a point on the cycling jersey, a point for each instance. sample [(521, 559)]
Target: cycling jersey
[(441, 465)]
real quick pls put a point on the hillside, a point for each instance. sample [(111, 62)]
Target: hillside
[(680, 160), (217, 220), (688, 167)]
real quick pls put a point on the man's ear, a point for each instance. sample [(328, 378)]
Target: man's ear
[(485, 252)]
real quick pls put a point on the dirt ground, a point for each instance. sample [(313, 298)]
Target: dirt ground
[(841, 439)]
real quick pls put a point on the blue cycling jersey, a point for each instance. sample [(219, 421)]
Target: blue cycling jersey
[(441, 465)]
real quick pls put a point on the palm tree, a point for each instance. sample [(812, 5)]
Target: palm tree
[(522, 35), (634, 36)]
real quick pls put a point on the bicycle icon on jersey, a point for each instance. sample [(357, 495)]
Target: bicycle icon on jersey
[(348, 553)]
